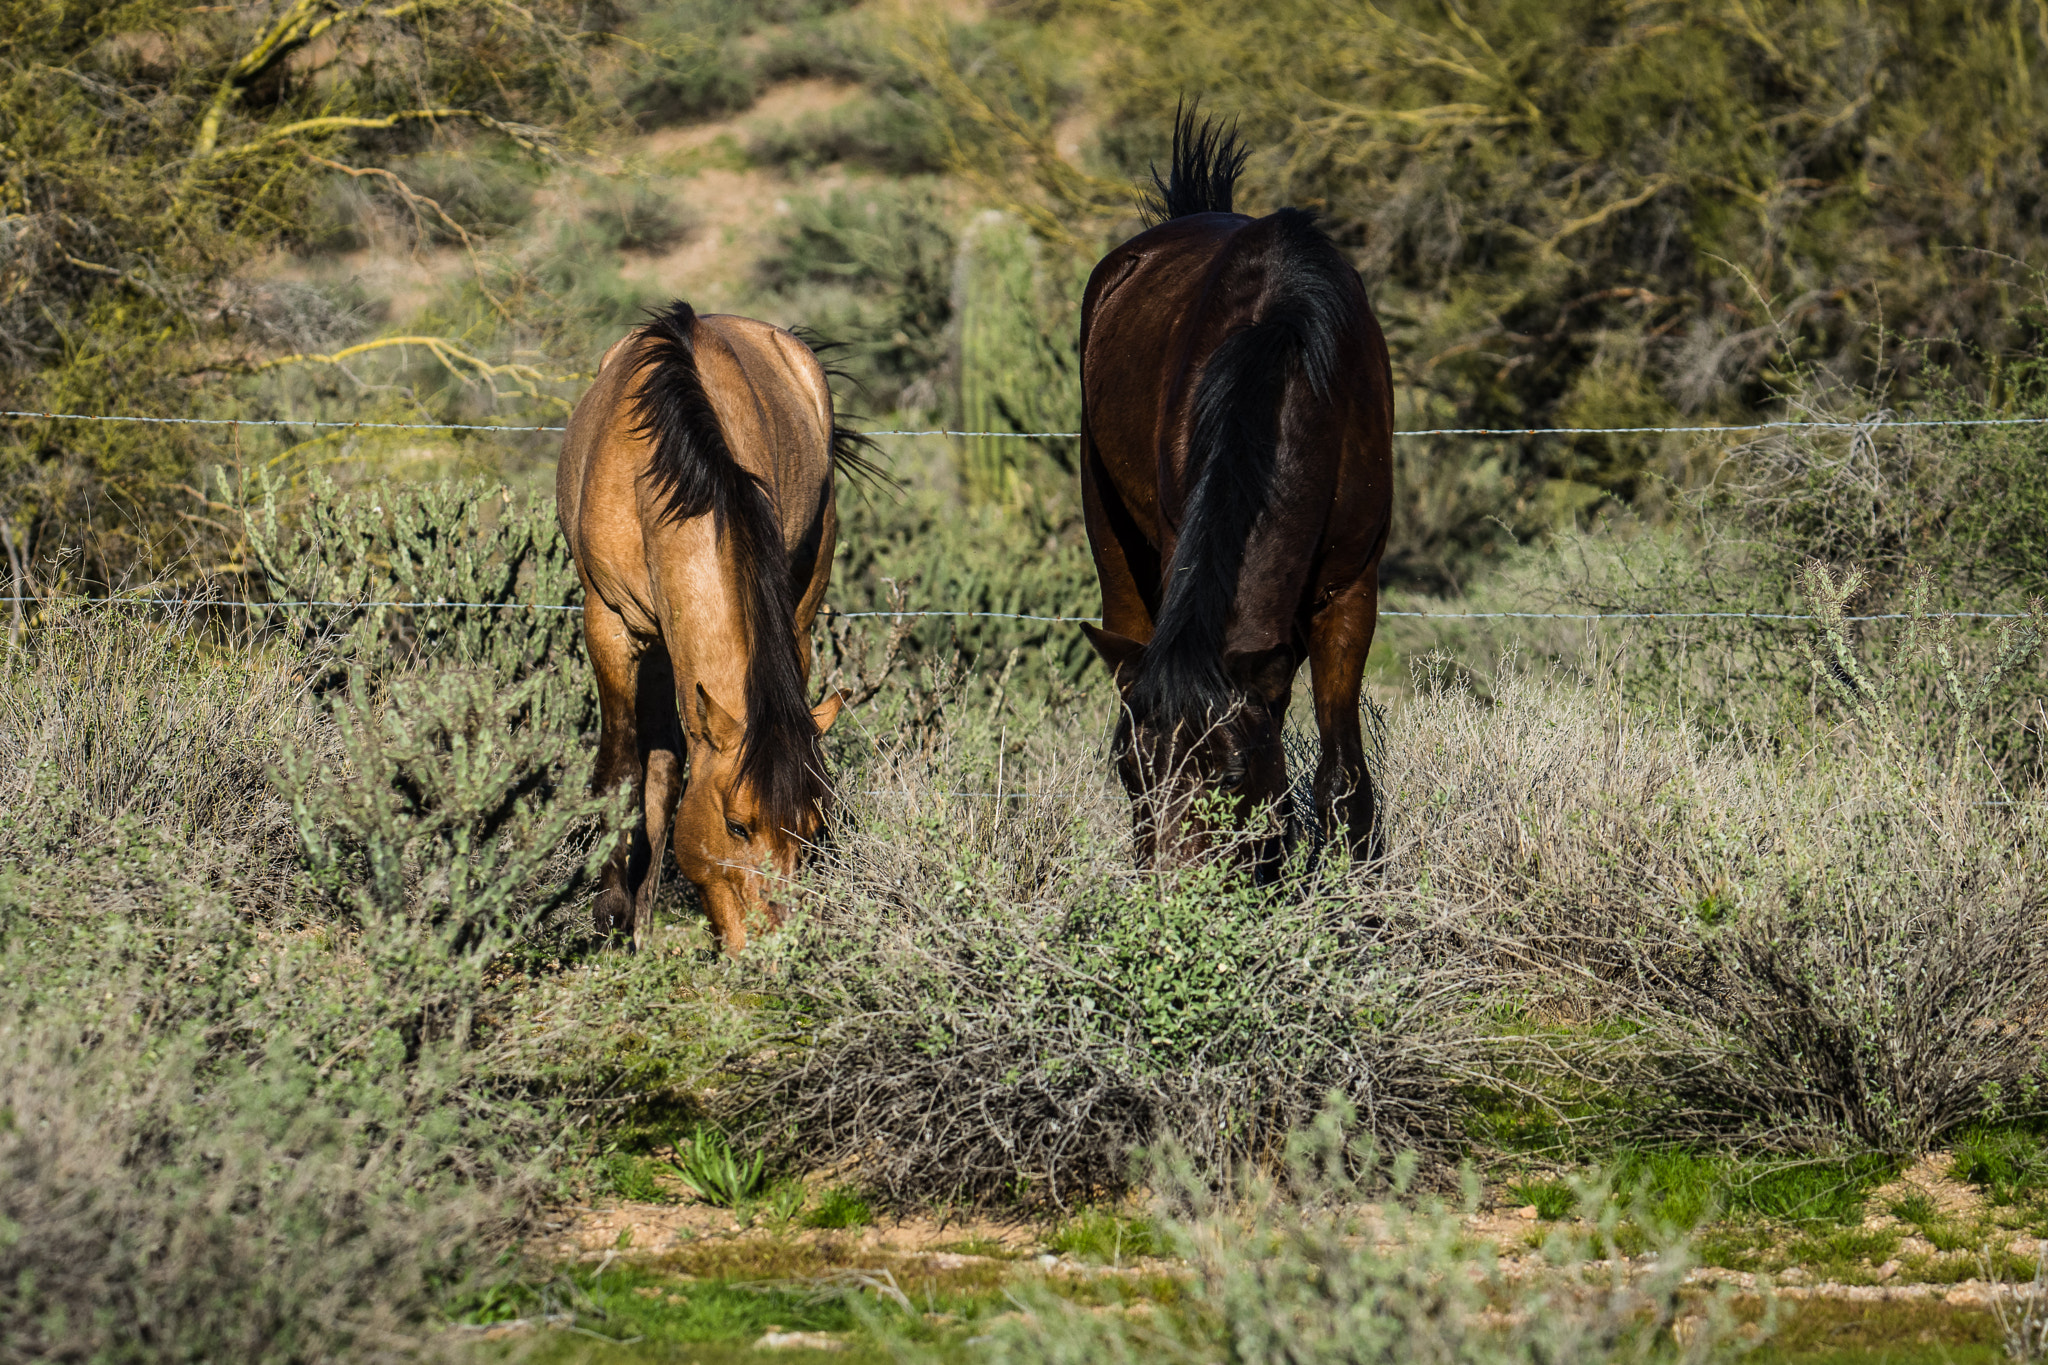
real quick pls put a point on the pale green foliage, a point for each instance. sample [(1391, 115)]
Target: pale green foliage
[(501, 558), (231, 1127), (1928, 635), (441, 804), (1301, 1268)]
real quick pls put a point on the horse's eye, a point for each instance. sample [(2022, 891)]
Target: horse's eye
[(737, 830)]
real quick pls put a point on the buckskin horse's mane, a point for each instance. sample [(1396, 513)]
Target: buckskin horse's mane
[(692, 472), (1291, 335)]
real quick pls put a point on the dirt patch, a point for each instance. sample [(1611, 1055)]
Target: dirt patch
[(661, 1230), (1952, 1199)]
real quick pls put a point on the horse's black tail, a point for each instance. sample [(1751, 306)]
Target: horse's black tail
[(1309, 306), (1206, 163), (693, 472)]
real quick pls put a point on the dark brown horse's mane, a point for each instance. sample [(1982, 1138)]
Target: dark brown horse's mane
[(693, 472), (1234, 457), (1203, 177)]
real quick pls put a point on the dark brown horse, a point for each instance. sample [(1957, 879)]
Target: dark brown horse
[(696, 492), (1236, 474)]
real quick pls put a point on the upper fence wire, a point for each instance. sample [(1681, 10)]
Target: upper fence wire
[(1872, 423)]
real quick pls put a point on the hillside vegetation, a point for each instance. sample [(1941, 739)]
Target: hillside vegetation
[(1584, 214)]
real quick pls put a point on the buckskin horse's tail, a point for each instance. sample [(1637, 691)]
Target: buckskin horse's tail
[(1307, 306), (691, 472)]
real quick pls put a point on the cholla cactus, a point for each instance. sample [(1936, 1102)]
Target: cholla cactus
[(1929, 634)]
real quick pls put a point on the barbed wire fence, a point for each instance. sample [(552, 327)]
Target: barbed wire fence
[(1867, 427)]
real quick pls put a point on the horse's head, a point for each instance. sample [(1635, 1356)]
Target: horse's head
[(1197, 769), (733, 832)]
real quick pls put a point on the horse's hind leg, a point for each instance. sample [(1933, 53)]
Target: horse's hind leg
[(615, 656), (1340, 636), (661, 758)]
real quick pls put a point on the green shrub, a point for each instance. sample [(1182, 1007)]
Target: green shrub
[(486, 195), (235, 1127), (500, 562), (441, 818), (1007, 1016), (636, 217), (686, 81), (874, 270)]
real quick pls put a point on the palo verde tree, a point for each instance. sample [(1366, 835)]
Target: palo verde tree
[(150, 151)]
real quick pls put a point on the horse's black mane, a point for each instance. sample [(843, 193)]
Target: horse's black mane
[(1233, 462), (693, 472), (1203, 177)]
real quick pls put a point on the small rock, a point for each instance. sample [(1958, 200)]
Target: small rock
[(1795, 1275), (772, 1340), (1527, 1213), (1886, 1271)]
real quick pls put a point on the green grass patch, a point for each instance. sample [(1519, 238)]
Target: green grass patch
[(840, 1207), (2009, 1162), (635, 1178), (1104, 1237), (1681, 1188), (1834, 1332), (1552, 1199)]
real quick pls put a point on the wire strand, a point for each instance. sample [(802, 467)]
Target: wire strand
[(1871, 424), (1059, 620)]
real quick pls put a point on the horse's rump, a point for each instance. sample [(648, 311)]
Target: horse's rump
[(1237, 460)]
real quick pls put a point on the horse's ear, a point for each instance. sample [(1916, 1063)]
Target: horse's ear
[(1120, 652), (1267, 674), (827, 711), (715, 724)]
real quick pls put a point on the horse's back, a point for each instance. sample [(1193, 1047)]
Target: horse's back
[(1158, 307), (774, 409), (775, 406)]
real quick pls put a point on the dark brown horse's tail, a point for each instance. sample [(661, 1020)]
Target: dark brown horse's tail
[(692, 471), (1307, 310)]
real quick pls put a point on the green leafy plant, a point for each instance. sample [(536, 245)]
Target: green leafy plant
[(1552, 1199), (443, 809), (840, 1207), (713, 1172), (490, 574)]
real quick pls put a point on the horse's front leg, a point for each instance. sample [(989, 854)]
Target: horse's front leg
[(1340, 636)]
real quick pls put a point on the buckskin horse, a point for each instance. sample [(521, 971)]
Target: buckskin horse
[(1236, 479), (696, 492)]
